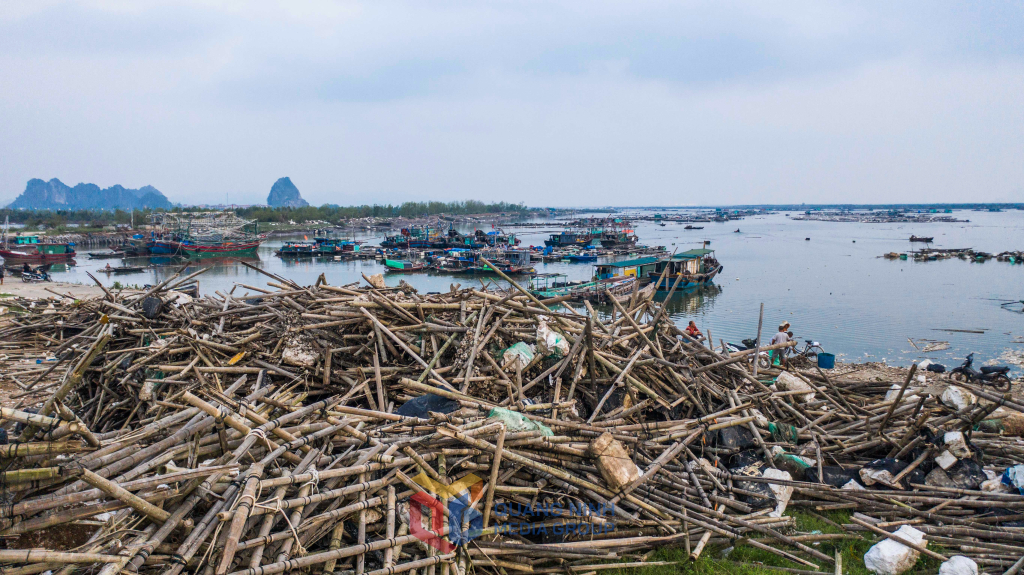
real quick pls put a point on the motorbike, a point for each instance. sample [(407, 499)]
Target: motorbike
[(39, 274), (994, 375), (763, 359)]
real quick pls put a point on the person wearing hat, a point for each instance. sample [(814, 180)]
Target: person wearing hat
[(781, 337)]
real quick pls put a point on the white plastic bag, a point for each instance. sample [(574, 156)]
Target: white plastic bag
[(782, 492), (550, 342), (958, 399), (789, 382), (887, 557), (521, 353), (956, 444), (958, 565)]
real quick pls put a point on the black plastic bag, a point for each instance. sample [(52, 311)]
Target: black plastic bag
[(422, 406), (832, 475)]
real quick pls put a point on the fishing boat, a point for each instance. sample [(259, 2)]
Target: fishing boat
[(297, 250), (214, 234), (403, 266), (413, 237), (617, 234), (495, 239), (32, 249), (165, 246), (691, 227), (136, 245), (335, 246), (206, 248), (921, 239)]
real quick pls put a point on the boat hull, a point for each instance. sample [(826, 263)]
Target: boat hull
[(198, 251), (164, 248), (35, 257)]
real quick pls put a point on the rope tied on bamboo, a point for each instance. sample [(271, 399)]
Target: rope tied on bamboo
[(276, 508), (314, 480), (222, 414), (259, 434)]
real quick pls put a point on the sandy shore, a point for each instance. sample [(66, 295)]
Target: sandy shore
[(42, 290)]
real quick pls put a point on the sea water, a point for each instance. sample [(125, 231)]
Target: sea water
[(834, 288)]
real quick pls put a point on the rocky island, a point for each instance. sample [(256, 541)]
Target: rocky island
[(56, 195), (284, 194)]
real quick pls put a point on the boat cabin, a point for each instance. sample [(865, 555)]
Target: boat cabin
[(639, 267), (686, 263), (401, 264)]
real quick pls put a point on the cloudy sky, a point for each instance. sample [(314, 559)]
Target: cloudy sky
[(549, 103)]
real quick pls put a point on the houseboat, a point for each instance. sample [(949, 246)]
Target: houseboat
[(696, 267), (32, 249), (568, 238), (404, 266)]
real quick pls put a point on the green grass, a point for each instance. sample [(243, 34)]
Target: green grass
[(711, 560)]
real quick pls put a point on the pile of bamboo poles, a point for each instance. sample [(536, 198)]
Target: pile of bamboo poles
[(266, 430)]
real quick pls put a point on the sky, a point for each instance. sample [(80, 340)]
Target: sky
[(547, 103)]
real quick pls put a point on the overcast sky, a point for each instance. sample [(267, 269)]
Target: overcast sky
[(549, 103)]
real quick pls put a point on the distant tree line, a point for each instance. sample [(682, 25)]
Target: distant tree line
[(61, 218), (333, 213), (52, 219)]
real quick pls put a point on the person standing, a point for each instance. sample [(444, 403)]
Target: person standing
[(780, 337)]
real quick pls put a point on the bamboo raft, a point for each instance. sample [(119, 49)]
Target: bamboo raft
[(280, 428)]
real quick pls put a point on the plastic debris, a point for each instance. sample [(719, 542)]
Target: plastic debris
[(422, 405), (789, 382), (521, 353), (888, 557), (782, 492), (956, 444), (958, 565), (550, 342), (1014, 477), (957, 398), (945, 459), (613, 461), (515, 421)]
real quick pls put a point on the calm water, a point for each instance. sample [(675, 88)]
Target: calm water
[(833, 288)]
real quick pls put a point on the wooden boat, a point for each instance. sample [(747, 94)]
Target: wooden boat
[(548, 286), (689, 227), (122, 269), (104, 255), (921, 239)]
